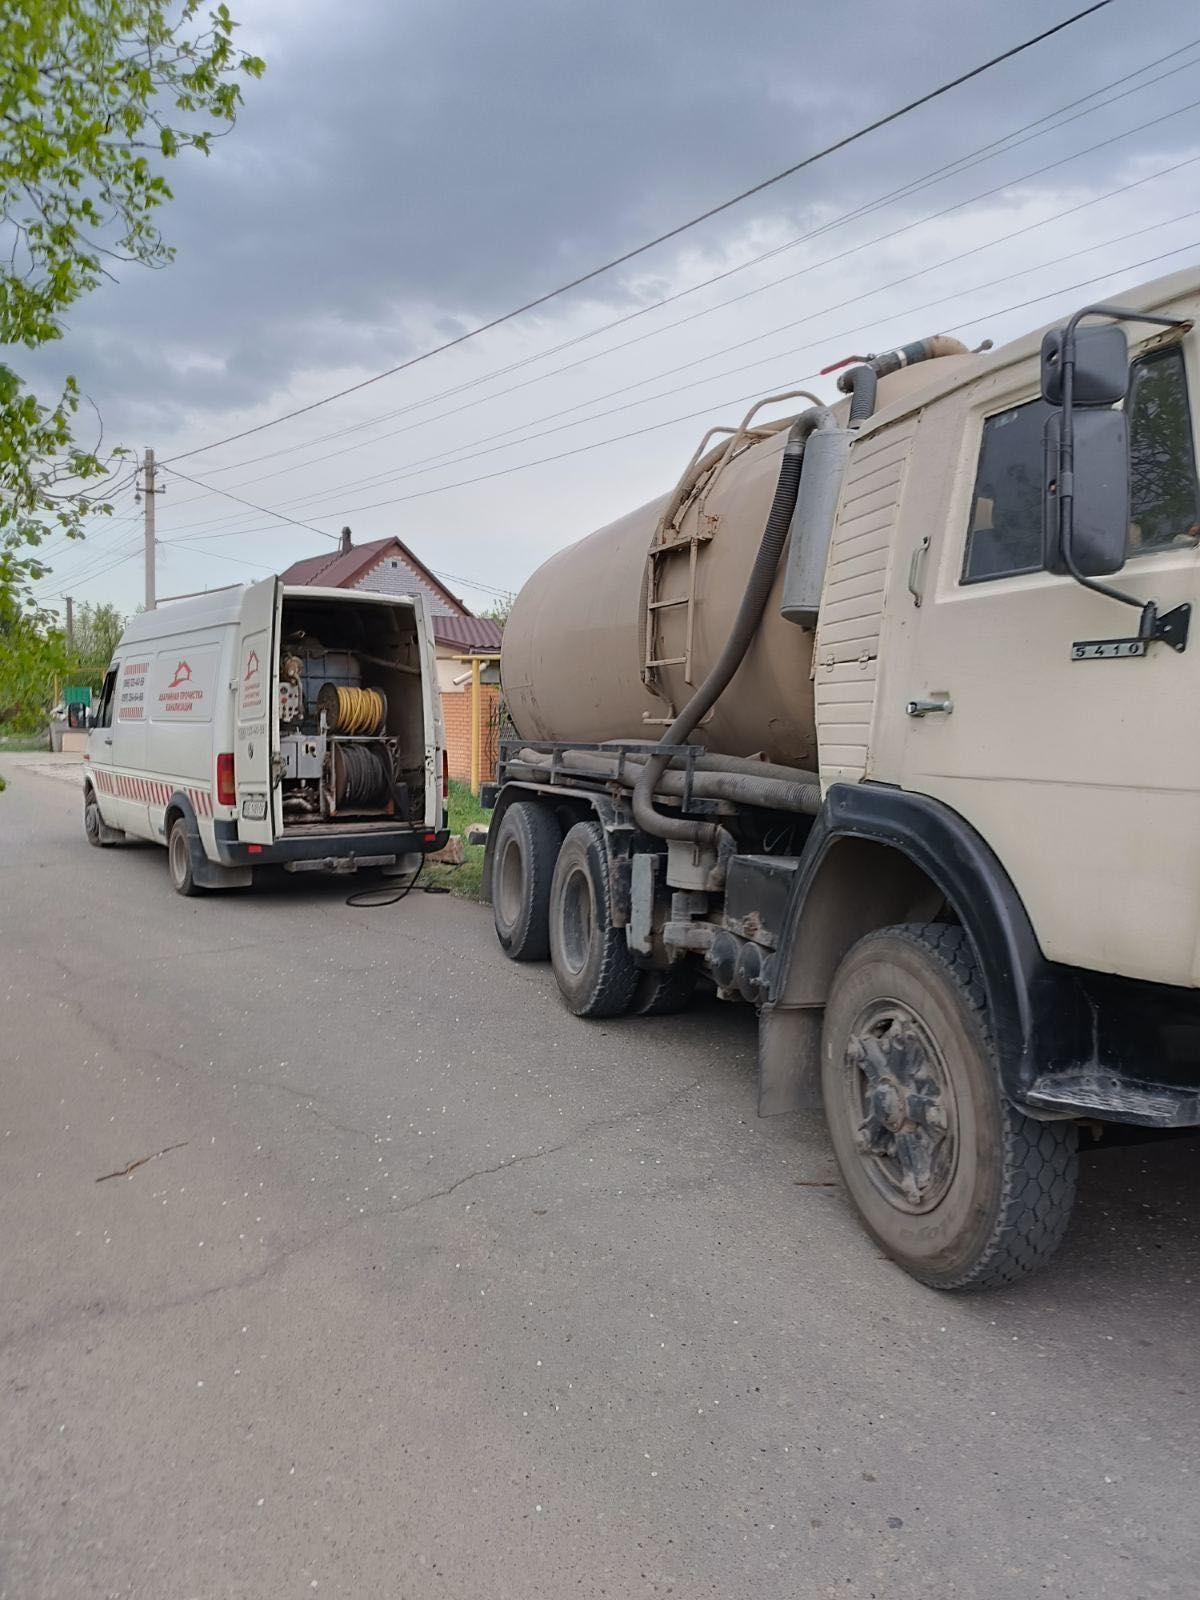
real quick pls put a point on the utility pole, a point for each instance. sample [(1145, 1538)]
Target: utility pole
[(70, 620), (148, 489)]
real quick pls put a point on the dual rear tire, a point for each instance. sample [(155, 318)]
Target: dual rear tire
[(551, 898)]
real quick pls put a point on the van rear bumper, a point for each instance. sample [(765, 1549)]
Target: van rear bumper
[(336, 848)]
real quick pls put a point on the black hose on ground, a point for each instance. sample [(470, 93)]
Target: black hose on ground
[(745, 626)]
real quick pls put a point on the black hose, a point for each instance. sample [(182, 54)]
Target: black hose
[(862, 384), (741, 635), (364, 776), (382, 895)]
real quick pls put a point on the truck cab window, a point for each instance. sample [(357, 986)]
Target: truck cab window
[(104, 710), (1004, 537), (1164, 497), (1005, 533)]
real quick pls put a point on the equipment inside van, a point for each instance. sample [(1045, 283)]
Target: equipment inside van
[(269, 725)]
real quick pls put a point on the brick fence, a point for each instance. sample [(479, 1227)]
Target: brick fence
[(456, 717)]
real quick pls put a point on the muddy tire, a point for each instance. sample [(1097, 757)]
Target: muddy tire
[(592, 965), (525, 851), (93, 825), (179, 860), (953, 1183)]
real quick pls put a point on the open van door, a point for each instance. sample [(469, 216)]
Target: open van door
[(259, 797)]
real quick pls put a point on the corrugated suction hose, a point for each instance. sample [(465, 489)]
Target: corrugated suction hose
[(745, 626)]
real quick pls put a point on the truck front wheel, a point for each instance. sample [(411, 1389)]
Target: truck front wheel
[(527, 845), (953, 1183), (590, 956)]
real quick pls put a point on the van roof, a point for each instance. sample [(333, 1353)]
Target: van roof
[(185, 616), (218, 607)]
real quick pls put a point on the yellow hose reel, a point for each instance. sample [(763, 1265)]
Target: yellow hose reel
[(352, 712)]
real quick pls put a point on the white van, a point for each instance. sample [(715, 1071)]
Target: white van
[(268, 724)]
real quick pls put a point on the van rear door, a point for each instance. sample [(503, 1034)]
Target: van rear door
[(259, 798)]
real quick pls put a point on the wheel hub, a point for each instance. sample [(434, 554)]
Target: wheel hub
[(907, 1134)]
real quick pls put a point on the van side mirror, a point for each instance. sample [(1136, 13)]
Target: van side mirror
[(1101, 365), (1100, 519)]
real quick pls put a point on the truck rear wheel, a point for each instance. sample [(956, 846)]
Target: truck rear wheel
[(954, 1184), (526, 849), (590, 956), (179, 859)]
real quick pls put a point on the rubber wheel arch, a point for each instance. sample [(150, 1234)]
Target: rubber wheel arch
[(607, 981), (1011, 1210), (534, 831)]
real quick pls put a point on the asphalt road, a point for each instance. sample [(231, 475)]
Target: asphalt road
[(438, 1292)]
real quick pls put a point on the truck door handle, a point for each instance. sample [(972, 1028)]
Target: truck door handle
[(914, 570), (922, 708), (108, 739)]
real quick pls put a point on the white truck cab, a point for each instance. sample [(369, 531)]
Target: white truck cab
[(269, 724)]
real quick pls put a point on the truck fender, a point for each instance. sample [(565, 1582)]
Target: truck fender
[(877, 856), (208, 874)]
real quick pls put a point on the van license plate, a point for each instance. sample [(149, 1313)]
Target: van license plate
[(255, 810)]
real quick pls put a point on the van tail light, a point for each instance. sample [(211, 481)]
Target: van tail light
[(226, 780), (445, 775)]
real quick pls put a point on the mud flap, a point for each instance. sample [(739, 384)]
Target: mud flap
[(210, 874), (789, 1059)]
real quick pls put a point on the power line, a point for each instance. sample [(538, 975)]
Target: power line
[(105, 565), (1010, 141), (707, 410), (90, 548), (220, 555), (524, 466), (671, 233), (485, 447), (389, 474), (265, 511)]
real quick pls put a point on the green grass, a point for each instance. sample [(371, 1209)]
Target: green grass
[(466, 880)]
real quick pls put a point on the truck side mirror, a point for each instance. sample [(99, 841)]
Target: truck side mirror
[(1101, 365), (1100, 521)]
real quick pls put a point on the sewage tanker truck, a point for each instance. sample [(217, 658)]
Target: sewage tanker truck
[(882, 722)]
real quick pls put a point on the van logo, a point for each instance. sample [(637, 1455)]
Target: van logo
[(251, 665), (183, 674)]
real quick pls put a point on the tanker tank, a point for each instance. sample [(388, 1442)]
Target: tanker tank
[(608, 639)]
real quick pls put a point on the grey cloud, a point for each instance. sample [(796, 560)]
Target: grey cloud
[(458, 157)]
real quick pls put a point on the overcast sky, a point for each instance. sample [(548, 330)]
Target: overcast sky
[(410, 168)]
